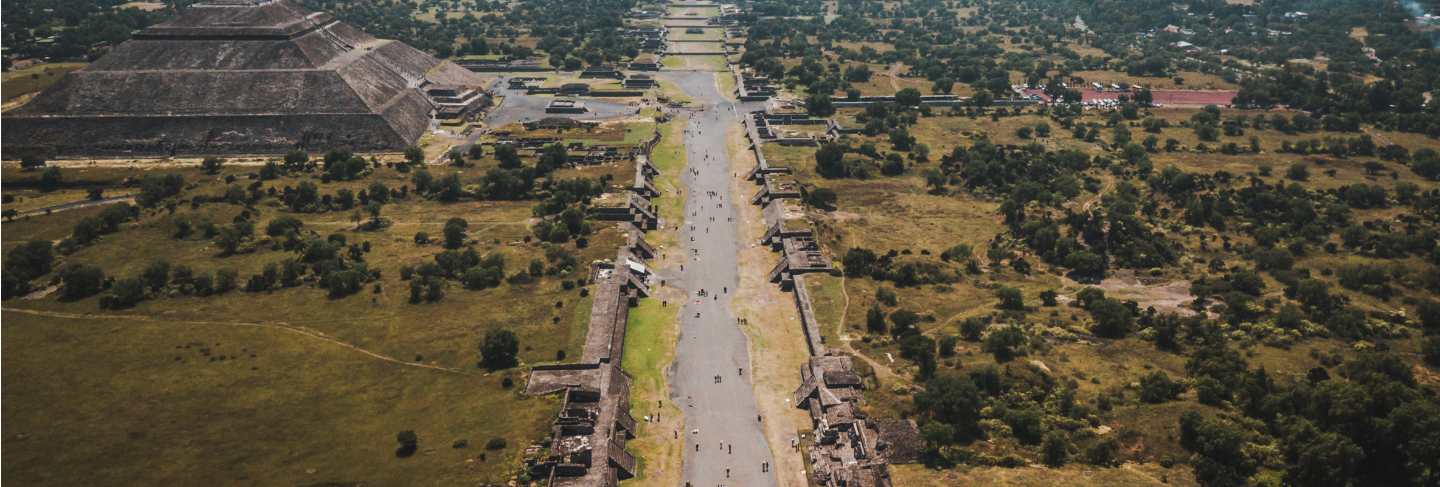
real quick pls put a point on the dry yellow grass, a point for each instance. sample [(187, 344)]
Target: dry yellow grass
[(1193, 80), (775, 339), (1037, 476)]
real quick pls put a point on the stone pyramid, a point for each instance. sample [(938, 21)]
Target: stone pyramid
[(237, 77)]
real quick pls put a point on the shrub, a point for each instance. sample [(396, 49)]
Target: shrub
[(124, 294), (496, 443), (283, 225), (904, 321), (875, 319), (1157, 387), (972, 328), (1006, 343), (79, 281), (455, 233), (1428, 311), (1430, 348), (409, 442), (947, 345), (27, 261), (1102, 453), (1298, 171), (1112, 319), (1011, 299), (498, 350), (1056, 447), (822, 198), (887, 296)]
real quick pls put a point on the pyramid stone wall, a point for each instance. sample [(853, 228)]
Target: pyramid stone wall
[(237, 77)]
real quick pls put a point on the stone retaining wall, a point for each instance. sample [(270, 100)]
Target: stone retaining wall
[(587, 446)]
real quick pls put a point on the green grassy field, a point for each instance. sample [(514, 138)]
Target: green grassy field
[(288, 386), (649, 350), (652, 330), (698, 63), (103, 400)]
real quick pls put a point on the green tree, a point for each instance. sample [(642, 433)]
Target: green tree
[(498, 350), (508, 157), (972, 328), (1056, 448), (296, 159), (1011, 299), (30, 260), (79, 281), (1112, 319), (1316, 457), (1156, 387), (875, 319), (455, 233), (921, 349), (211, 165), (409, 443), (414, 155), (1006, 343), (124, 293), (422, 180), (904, 322), (952, 399), (552, 157), (374, 209), (908, 97), (156, 275), (829, 160), (819, 105), (51, 179), (449, 189)]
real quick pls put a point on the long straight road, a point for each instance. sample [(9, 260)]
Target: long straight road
[(724, 443)]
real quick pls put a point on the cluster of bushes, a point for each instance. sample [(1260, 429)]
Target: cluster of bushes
[(1112, 318), (160, 278), (1089, 242), (447, 189), (90, 229), (155, 188), (474, 271), (830, 162), (1019, 401), (1384, 435), (305, 197), (862, 262), (24, 263), (79, 281), (563, 214), (1336, 146), (562, 227), (331, 263)]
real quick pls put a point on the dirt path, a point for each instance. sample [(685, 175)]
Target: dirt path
[(882, 371), (272, 325), (893, 73), (75, 205)]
